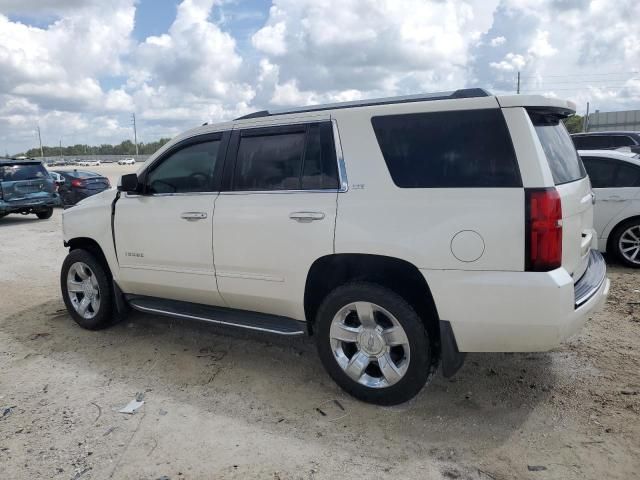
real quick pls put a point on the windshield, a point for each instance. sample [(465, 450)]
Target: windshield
[(19, 172), (564, 161)]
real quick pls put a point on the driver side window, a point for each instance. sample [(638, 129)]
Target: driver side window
[(189, 169)]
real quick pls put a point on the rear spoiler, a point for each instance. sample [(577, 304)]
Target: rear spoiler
[(539, 104)]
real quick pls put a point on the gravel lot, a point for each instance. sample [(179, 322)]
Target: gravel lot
[(221, 403)]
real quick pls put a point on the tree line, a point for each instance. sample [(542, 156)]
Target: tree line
[(126, 147)]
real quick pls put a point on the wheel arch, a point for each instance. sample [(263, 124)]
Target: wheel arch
[(90, 245), (614, 230), (404, 278)]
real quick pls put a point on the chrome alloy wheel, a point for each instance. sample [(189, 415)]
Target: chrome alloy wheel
[(629, 244), (83, 290), (369, 344)]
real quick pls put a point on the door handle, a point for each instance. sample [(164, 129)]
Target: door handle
[(613, 198), (306, 217), (192, 216)]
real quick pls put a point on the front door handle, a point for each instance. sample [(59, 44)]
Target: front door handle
[(306, 217), (192, 216)]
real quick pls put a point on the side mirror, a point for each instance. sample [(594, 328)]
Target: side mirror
[(129, 183)]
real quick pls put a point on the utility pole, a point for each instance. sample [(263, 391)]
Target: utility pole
[(40, 140), (135, 133), (60, 149), (585, 122), (518, 86)]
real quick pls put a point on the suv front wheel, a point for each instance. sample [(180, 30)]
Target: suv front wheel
[(86, 290), (373, 343)]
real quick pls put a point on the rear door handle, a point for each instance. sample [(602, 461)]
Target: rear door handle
[(192, 216), (613, 198), (306, 217)]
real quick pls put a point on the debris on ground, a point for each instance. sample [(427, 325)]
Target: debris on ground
[(536, 468), (7, 411), (131, 407)]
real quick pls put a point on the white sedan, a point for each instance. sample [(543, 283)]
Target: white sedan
[(615, 178), (89, 163), (127, 161)]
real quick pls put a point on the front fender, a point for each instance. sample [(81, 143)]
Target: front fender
[(91, 219)]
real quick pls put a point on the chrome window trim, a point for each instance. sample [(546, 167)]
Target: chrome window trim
[(342, 170), (176, 194)]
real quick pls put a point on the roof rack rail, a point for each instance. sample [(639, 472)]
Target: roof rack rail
[(420, 97)]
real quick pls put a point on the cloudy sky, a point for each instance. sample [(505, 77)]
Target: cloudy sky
[(78, 68)]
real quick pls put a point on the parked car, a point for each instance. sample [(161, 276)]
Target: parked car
[(57, 178), (127, 161), (80, 184), (88, 163), (26, 188), (400, 232), (607, 141), (615, 178)]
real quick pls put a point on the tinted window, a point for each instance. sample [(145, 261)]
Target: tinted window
[(564, 162), (609, 173), (591, 142), (83, 174), (19, 172), (448, 149), (618, 141), (320, 170), (189, 169), (291, 160)]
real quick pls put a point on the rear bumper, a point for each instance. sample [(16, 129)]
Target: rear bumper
[(517, 311), (29, 205)]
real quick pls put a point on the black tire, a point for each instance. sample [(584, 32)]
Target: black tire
[(44, 214), (615, 242), (419, 370), (104, 317)]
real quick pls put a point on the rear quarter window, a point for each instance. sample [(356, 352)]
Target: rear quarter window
[(452, 149), (563, 159)]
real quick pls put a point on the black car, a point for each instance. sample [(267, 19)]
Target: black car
[(80, 184), (26, 187), (607, 140)]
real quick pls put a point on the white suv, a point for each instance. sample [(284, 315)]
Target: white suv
[(400, 232), (127, 161)]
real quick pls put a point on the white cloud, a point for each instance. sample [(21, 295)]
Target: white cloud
[(497, 41), (83, 74)]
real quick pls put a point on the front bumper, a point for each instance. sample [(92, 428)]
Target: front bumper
[(517, 311)]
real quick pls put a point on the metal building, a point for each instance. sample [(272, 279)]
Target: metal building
[(628, 120)]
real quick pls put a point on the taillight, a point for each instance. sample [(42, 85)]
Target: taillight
[(543, 230), (76, 182)]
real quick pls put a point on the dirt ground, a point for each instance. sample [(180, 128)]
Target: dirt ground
[(221, 403)]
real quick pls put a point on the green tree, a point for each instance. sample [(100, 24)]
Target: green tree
[(126, 147), (574, 123)]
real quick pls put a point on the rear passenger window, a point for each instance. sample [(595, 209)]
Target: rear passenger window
[(618, 141), (282, 159), (469, 148), (609, 173), (591, 142)]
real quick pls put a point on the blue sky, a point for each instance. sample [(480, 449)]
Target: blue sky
[(79, 68)]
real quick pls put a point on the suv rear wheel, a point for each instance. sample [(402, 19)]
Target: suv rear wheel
[(626, 243), (87, 290), (44, 214), (373, 343)]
